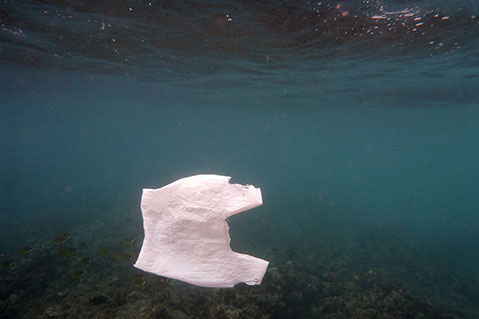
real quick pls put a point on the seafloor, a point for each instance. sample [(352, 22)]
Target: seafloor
[(376, 275)]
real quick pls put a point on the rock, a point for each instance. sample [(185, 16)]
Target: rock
[(98, 300)]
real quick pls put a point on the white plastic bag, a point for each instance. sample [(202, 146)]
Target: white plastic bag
[(186, 234)]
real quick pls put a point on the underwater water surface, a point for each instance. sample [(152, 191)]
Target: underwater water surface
[(358, 120)]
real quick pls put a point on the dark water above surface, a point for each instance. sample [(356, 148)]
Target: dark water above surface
[(357, 119)]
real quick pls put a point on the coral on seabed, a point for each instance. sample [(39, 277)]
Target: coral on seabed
[(88, 281)]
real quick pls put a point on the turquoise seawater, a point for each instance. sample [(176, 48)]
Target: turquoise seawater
[(358, 120)]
